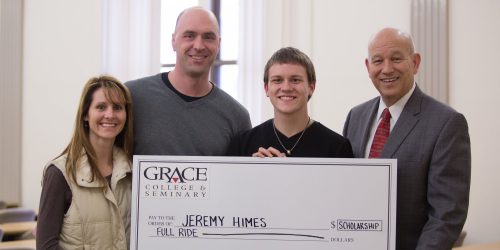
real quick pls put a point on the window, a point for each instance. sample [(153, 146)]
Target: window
[(224, 72)]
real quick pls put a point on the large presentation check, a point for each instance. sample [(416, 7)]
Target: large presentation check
[(245, 203)]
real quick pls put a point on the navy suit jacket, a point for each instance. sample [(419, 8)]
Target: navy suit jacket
[(431, 144)]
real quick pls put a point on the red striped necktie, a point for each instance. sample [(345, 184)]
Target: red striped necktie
[(381, 135)]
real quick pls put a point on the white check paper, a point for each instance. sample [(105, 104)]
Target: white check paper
[(182, 202)]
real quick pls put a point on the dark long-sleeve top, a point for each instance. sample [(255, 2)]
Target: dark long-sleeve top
[(317, 141), (56, 198), (54, 203)]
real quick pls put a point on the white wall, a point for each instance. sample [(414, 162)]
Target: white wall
[(475, 90), (341, 31), (335, 35), (62, 49)]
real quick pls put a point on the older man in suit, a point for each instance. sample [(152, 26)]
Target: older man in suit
[(429, 139)]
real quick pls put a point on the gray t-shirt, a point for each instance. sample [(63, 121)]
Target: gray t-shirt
[(165, 124)]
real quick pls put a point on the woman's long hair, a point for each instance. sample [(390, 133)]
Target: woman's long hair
[(80, 145)]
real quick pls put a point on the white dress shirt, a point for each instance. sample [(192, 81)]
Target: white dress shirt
[(396, 109)]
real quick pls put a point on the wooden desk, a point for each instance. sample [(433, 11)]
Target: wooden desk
[(16, 228), (489, 246), (12, 205), (18, 243)]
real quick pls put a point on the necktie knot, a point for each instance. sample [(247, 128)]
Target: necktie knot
[(381, 134), (386, 115)]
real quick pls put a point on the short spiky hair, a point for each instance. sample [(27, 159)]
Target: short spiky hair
[(290, 55)]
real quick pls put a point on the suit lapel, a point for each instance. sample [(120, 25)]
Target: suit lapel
[(405, 124), (367, 119)]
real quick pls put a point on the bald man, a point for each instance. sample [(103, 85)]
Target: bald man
[(429, 140), (181, 112)]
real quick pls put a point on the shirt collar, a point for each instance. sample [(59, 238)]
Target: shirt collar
[(121, 167), (397, 108)]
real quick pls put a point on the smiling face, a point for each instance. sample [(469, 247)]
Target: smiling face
[(288, 88), (196, 41), (106, 116), (392, 64)]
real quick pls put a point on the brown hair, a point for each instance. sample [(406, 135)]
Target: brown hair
[(80, 144), (290, 55)]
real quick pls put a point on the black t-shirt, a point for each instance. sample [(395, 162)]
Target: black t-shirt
[(186, 98), (317, 141)]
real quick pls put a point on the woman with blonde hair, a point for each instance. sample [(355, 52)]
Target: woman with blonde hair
[(86, 193)]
